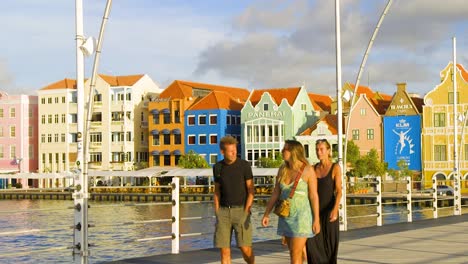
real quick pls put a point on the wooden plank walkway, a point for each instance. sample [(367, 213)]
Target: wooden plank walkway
[(442, 240)]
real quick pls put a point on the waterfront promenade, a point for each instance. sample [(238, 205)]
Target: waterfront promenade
[(441, 240)]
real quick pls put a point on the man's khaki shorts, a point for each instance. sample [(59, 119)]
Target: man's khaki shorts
[(229, 219)]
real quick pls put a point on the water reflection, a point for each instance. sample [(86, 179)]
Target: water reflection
[(115, 233)]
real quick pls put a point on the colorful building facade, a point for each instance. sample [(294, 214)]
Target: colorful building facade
[(18, 135), (438, 127), (271, 116), (210, 119), (168, 119)]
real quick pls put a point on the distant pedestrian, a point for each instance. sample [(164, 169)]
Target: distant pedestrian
[(323, 248), (295, 178), (233, 198)]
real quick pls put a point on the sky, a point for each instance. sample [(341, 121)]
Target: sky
[(254, 44)]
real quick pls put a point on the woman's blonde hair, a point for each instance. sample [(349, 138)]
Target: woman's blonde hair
[(297, 154)]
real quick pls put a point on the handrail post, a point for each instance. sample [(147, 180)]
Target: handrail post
[(409, 207), (175, 214), (434, 197), (379, 201)]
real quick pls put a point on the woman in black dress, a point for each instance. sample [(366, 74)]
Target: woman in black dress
[(323, 248)]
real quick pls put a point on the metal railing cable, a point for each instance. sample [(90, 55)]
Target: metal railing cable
[(30, 231)]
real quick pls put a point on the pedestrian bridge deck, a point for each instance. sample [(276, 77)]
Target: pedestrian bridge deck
[(441, 240)]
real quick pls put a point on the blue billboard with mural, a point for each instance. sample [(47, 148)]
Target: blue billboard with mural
[(402, 141)]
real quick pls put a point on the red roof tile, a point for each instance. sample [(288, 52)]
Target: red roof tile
[(321, 102), (217, 100), (184, 89), (330, 120), (127, 80), (278, 94), (463, 71), (62, 84)]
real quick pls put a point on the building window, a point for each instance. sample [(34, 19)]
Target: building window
[(129, 136), (167, 139), (1, 131), (177, 139), (213, 158), (228, 120), (73, 138), (12, 131), (30, 151), (56, 119), (56, 100), (73, 118), (439, 119), (213, 119), (63, 99), (12, 152), (95, 137), (439, 153), (238, 119), (49, 100), (63, 158), (191, 140), (156, 160), (30, 112), (306, 150), (303, 107), (265, 107), (191, 120), (202, 140), (167, 118), (95, 157), (30, 131), (62, 137), (12, 112), (42, 138), (155, 140), (177, 116), (56, 137), (1, 152), (167, 160), (202, 119), (156, 119), (49, 119), (370, 134), (63, 118), (213, 139), (363, 111), (450, 97), (43, 119), (1, 112), (466, 151), (142, 137), (117, 137), (74, 98), (49, 138), (355, 134), (42, 100)]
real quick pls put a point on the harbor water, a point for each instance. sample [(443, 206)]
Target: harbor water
[(116, 227)]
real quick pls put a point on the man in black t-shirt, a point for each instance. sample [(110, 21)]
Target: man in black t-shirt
[(233, 198)]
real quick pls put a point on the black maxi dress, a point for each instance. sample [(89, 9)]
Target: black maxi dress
[(323, 248)]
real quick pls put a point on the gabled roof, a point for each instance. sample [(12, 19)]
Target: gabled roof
[(380, 105), (127, 80), (330, 120), (62, 84), (370, 93), (184, 89), (278, 94), (217, 100), (321, 102), (464, 73), (418, 102)]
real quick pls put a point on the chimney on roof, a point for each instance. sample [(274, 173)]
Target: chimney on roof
[(401, 87)]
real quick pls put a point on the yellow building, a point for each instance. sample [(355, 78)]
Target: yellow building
[(438, 128), (119, 127)]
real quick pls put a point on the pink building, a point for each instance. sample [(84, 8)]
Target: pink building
[(18, 134)]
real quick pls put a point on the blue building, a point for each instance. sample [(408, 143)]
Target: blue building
[(208, 120)]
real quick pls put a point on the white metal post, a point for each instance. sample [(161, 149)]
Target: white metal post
[(379, 201), (342, 210), (434, 197), (408, 199), (456, 175), (80, 241), (175, 215)]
